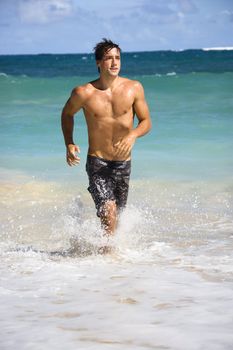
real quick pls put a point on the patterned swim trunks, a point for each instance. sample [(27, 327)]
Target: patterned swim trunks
[(108, 180)]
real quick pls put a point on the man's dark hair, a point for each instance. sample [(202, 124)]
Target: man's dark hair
[(104, 46)]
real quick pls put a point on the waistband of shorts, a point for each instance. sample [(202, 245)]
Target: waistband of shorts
[(89, 157)]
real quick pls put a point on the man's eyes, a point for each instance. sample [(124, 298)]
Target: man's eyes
[(111, 57)]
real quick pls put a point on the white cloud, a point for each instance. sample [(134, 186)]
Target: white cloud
[(44, 11)]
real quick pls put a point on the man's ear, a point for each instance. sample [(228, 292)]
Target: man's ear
[(98, 65)]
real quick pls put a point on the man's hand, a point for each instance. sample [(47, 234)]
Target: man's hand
[(71, 156), (125, 145)]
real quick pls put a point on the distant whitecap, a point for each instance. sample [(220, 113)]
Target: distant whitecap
[(217, 48), (171, 73)]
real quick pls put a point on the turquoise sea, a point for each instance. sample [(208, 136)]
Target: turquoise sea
[(168, 284)]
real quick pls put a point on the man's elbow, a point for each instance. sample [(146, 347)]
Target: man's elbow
[(149, 126), (63, 117), (65, 114)]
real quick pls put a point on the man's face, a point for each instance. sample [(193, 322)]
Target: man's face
[(110, 64)]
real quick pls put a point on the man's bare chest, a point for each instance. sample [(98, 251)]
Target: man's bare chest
[(102, 104)]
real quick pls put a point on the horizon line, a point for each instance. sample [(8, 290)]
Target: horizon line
[(218, 48)]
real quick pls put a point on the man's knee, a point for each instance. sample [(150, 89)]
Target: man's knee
[(109, 209), (108, 216)]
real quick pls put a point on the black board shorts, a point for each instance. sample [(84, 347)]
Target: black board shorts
[(108, 181)]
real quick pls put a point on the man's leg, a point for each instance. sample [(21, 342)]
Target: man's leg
[(108, 216)]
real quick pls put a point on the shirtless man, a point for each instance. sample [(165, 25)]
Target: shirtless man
[(109, 104)]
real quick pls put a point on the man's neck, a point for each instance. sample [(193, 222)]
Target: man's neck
[(108, 82)]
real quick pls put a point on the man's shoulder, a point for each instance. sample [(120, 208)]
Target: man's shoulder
[(133, 86), (131, 83), (82, 91)]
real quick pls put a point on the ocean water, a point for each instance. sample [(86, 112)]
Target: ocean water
[(168, 281)]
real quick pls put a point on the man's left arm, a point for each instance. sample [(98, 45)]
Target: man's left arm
[(142, 112), (144, 121)]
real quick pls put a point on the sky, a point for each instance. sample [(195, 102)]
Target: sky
[(75, 26)]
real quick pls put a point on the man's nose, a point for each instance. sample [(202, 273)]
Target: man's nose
[(114, 62)]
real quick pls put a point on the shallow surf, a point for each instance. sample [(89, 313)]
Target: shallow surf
[(166, 283)]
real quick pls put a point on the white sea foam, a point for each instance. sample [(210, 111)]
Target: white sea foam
[(218, 48), (166, 282)]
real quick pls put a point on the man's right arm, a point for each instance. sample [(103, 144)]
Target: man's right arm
[(72, 106)]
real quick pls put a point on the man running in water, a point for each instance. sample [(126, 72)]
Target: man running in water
[(110, 104)]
